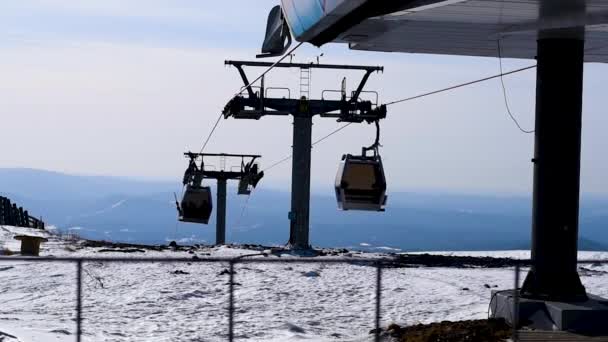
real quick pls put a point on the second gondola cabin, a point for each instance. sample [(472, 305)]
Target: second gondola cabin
[(361, 184), (196, 205)]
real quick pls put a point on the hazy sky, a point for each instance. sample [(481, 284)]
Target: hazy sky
[(124, 87)]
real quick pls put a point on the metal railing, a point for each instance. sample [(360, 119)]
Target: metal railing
[(379, 264)]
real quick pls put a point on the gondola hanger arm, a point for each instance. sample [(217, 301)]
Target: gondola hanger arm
[(376, 144)]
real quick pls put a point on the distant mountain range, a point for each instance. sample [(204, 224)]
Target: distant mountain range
[(128, 210)]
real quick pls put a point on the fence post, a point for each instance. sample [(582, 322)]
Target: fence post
[(516, 305), (4, 212), (79, 300), (7, 212), (378, 300), (15, 218), (14, 215), (11, 213), (20, 222), (231, 304), (19, 215), (2, 220), (25, 217)]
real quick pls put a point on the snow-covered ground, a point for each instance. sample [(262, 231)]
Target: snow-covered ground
[(274, 302)]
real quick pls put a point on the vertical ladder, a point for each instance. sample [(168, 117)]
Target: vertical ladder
[(222, 163), (305, 80)]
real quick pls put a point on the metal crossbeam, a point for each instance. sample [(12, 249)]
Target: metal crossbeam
[(188, 154), (304, 65), (344, 111)]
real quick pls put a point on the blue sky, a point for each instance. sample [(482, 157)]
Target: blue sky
[(123, 87)]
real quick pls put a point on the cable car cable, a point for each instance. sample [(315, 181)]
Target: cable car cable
[(247, 86), (462, 85), (238, 222), (217, 122), (414, 98), (501, 75), (269, 69), (286, 159), (504, 93), (313, 144)]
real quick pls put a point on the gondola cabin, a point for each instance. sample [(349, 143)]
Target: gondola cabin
[(196, 205), (361, 184)]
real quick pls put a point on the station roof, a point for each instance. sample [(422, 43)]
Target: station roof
[(454, 27)]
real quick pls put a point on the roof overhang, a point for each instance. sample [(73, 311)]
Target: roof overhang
[(454, 27)]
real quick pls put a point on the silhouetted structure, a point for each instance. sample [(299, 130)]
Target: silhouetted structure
[(11, 215), (561, 35), (196, 205), (257, 104)]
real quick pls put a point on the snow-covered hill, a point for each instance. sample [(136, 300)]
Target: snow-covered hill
[(274, 302)]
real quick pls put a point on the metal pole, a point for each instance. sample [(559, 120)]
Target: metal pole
[(78, 301), (516, 305), (220, 234), (231, 303), (559, 91), (378, 302), (300, 181)]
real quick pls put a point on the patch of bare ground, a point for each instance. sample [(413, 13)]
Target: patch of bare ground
[(492, 330)]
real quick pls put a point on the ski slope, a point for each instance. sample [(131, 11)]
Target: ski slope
[(274, 302)]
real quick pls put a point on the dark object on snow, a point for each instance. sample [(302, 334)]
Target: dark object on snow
[(30, 245), (179, 272), (374, 331), (433, 260), (173, 244), (126, 250), (61, 331), (108, 245), (295, 329), (493, 330), (226, 271), (311, 274)]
